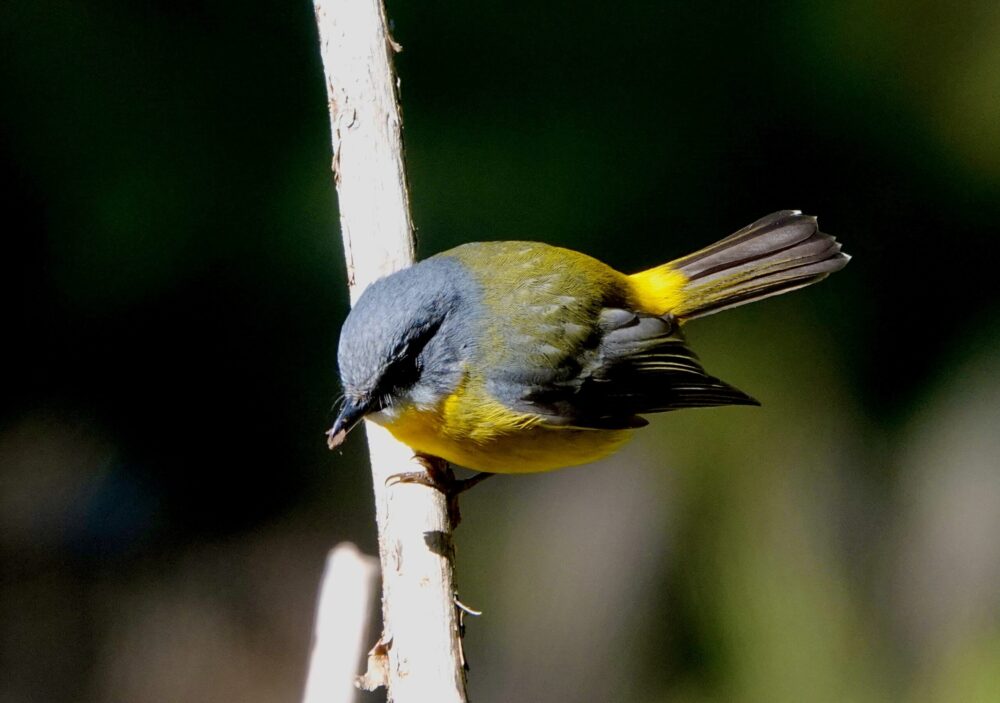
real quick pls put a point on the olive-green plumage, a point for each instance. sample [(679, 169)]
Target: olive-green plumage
[(520, 356)]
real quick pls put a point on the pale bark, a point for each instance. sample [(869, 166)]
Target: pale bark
[(420, 646), (339, 639)]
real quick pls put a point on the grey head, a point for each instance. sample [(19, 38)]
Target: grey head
[(405, 341)]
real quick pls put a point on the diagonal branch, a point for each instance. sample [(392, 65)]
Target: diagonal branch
[(420, 648)]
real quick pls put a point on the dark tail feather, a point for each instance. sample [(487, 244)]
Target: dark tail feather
[(776, 254)]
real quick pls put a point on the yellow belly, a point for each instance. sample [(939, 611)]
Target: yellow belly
[(502, 448)]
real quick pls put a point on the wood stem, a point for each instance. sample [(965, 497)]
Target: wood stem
[(420, 651)]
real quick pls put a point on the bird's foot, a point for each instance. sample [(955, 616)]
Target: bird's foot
[(437, 474)]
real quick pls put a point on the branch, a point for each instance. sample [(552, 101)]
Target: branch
[(420, 649), (345, 600)]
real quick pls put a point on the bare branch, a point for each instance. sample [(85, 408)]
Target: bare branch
[(345, 599), (420, 624)]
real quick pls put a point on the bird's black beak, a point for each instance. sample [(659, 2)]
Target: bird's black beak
[(350, 415)]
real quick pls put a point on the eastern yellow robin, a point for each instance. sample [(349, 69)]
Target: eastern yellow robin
[(513, 357)]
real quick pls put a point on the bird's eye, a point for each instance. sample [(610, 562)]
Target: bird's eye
[(402, 373), (405, 368)]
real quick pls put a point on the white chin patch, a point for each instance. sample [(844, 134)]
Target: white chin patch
[(385, 416)]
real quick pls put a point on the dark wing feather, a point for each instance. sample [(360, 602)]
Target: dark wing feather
[(639, 364)]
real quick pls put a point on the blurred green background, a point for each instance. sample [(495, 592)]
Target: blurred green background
[(173, 258)]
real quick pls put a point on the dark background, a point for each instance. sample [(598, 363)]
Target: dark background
[(172, 258)]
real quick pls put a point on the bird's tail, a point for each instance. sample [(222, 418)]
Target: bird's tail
[(776, 254)]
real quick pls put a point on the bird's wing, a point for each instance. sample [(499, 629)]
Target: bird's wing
[(632, 364)]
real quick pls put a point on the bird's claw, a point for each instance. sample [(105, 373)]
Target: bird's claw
[(437, 474)]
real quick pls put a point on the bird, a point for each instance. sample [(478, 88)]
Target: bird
[(511, 357)]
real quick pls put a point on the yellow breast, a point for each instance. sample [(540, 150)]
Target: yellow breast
[(471, 429)]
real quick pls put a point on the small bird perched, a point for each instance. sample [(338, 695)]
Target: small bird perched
[(514, 357)]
